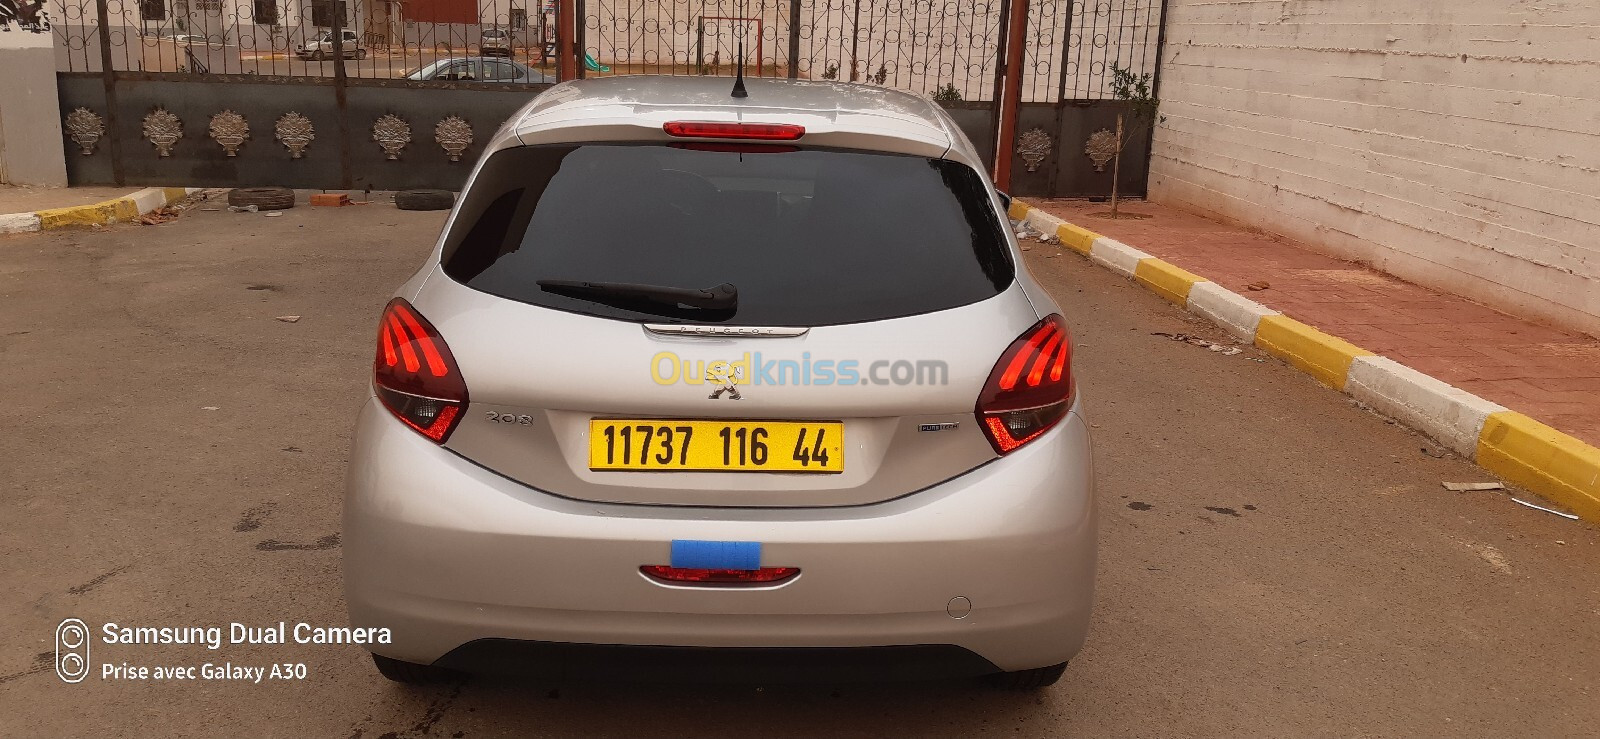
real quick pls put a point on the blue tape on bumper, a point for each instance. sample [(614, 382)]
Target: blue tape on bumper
[(716, 555)]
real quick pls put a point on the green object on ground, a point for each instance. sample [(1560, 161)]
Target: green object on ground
[(590, 64)]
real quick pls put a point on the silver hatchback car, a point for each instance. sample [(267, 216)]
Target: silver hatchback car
[(755, 386)]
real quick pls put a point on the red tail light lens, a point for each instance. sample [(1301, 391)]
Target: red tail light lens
[(694, 575), (715, 130), (415, 375), (1030, 388)]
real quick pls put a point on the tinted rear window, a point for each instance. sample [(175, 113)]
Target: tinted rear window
[(809, 237)]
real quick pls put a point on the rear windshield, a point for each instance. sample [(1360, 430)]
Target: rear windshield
[(808, 237)]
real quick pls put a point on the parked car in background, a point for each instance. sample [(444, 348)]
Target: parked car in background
[(495, 42), (176, 36), (479, 69), (320, 47)]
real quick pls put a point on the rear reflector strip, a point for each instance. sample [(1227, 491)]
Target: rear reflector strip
[(764, 575), (716, 555)]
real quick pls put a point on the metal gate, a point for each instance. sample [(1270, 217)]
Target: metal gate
[(393, 94)]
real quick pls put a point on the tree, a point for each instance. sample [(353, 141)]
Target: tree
[(1133, 119)]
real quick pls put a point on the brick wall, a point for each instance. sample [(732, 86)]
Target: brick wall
[(1453, 144)]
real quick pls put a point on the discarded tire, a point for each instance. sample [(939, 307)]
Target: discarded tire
[(424, 199), (263, 198)]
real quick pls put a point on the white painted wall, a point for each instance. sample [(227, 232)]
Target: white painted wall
[(31, 142), (219, 22), (1453, 144)]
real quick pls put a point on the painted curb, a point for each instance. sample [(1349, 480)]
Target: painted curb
[(1116, 256), (1453, 416), (1078, 239), (1019, 210), (1543, 460), (16, 223), (1074, 237), (1519, 449), (1166, 279), (1235, 313), (1323, 356), (125, 208)]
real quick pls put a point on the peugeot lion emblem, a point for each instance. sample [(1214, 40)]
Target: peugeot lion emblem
[(725, 378)]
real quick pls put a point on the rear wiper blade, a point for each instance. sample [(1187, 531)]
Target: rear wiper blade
[(719, 297)]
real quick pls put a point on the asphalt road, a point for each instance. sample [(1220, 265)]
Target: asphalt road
[(1275, 562)]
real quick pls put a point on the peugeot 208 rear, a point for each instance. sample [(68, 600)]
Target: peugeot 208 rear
[(756, 384)]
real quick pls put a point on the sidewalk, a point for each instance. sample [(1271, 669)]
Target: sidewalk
[(28, 198), (1548, 374)]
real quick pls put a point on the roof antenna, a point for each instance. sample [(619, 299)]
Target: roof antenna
[(738, 80)]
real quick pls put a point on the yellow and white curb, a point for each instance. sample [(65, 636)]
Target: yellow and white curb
[(1519, 449), (118, 210)]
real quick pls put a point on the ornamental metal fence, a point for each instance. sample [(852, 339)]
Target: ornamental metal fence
[(357, 80), (937, 48)]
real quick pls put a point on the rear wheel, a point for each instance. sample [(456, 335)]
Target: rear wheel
[(1034, 679), (412, 673), (361, 53)]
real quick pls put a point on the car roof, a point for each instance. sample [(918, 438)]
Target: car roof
[(827, 109), (452, 59)]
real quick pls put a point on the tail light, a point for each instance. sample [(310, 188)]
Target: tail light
[(1030, 388), (415, 375), (717, 130)]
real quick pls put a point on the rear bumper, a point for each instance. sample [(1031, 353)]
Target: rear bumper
[(445, 553), (716, 664)]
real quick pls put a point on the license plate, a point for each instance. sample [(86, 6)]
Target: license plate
[(660, 445)]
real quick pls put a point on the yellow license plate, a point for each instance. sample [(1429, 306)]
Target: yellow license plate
[(656, 444)]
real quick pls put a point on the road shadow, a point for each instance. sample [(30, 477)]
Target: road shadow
[(492, 703)]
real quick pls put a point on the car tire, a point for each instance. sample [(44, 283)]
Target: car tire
[(412, 673), (361, 53), (263, 198), (1034, 679), (424, 199)]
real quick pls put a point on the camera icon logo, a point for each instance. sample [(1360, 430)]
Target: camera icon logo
[(72, 651)]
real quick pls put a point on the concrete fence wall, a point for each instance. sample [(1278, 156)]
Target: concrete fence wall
[(31, 145), (1453, 144)]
